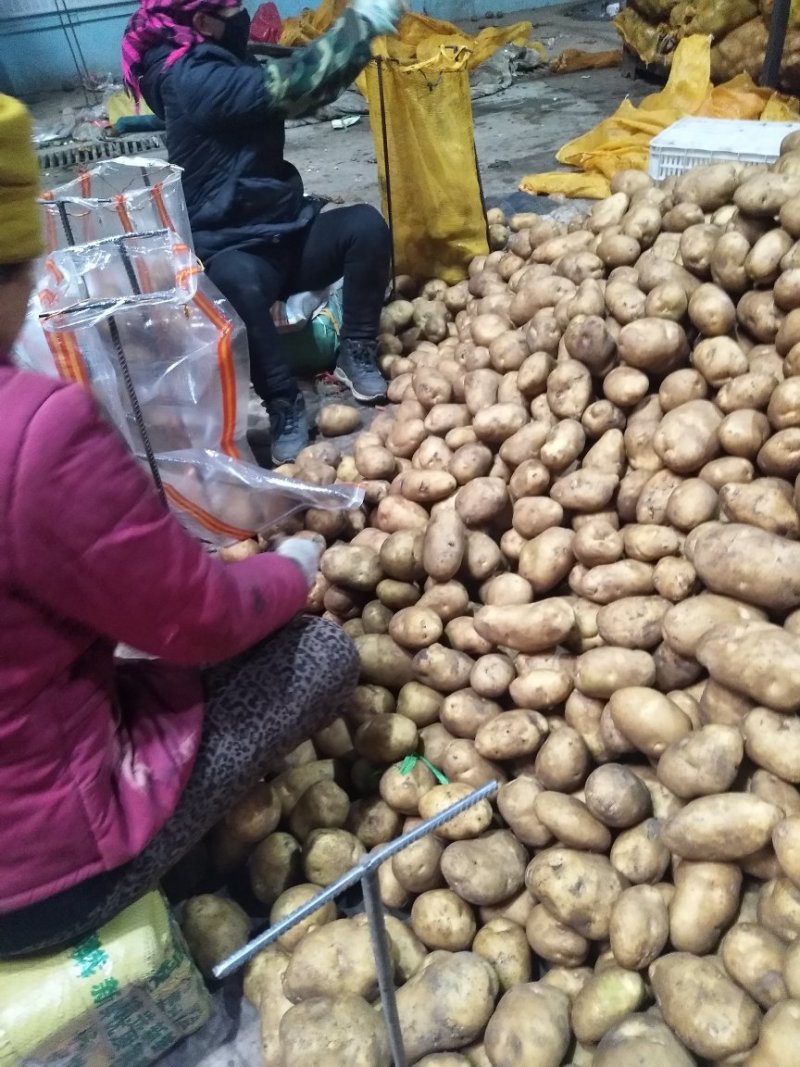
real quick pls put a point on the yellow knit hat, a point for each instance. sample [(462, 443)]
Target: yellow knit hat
[(20, 228)]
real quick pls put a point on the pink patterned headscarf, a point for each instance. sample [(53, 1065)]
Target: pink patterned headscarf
[(163, 22)]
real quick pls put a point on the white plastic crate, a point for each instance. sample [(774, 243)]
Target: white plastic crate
[(693, 142)]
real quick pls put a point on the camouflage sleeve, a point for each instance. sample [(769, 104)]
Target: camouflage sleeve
[(318, 72)]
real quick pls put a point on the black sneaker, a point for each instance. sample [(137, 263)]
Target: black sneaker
[(289, 427), (357, 367)]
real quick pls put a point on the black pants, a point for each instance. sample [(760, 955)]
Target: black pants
[(349, 242), (258, 707)]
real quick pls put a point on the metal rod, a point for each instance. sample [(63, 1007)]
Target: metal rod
[(386, 170), (367, 864), (62, 214), (373, 905), (770, 72), (136, 408)]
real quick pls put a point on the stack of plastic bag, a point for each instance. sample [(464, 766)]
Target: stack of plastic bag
[(419, 97), (623, 141), (133, 317)]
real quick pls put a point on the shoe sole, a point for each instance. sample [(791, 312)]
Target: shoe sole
[(365, 398)]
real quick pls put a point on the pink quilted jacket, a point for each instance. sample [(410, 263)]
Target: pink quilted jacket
[(94, 755)]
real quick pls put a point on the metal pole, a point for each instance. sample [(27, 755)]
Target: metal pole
[(387, 176), (770, 72), (367, 865), (373, 905)]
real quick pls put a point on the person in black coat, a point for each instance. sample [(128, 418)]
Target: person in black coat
[(260, 237)]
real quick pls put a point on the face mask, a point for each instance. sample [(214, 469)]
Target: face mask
[(236, 33)]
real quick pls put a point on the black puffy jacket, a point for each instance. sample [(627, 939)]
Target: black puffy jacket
[(225, 127)]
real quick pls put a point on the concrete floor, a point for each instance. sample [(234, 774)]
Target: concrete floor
[(517, 132)]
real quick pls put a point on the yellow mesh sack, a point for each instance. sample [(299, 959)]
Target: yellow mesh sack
[(426, 161), (714, 17), (437, 209)]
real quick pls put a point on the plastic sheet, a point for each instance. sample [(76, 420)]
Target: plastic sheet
[(135, 319), (623, 140), (128, 195)]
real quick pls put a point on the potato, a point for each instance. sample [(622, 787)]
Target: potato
[(487, 870), (712, 311), (515, 802), (463, 713), (723, 1020), (765, 194), (249, 820), (632, 622), (705, 903), (563, 761), (492, 675), (687, 623), (648, 719), (511, 735), (639, 855), (773, 742), (334, 420), (605, 999), (616, 796), (415, 627), (340, 1031), (754, 959), (442, 920), (385, 739), (469, 823), (323, 804), (641, 1039), (333, 959), (777, 1041), (570, 822), (526, 628), (443, 669), (446, 1004), (553, 941), (779, 908), (401, 555), (721, 828), (502, 943), (530, 1025), (274, 865), (540, 689), (639, 927), (447, 599), (600, 672), (702, 763), (755, 658), (764, 259), (709, 187), (328, 854), (612, 581), (214, 928), (290, 785), (578, 888)]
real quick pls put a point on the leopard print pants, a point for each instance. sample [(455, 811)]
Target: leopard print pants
[(259, 706)]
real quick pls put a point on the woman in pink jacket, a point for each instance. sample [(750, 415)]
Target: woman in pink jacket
[(110, 772)]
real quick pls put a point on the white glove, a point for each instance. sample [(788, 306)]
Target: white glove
[(304, 552), (382, 15)]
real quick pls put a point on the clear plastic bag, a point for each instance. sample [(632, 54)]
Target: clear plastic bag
[(167, 358), (117, 196)]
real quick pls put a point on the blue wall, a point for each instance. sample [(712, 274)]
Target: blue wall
[(35, 55)]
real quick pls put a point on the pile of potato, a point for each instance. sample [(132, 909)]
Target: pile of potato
[(578, 574)]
